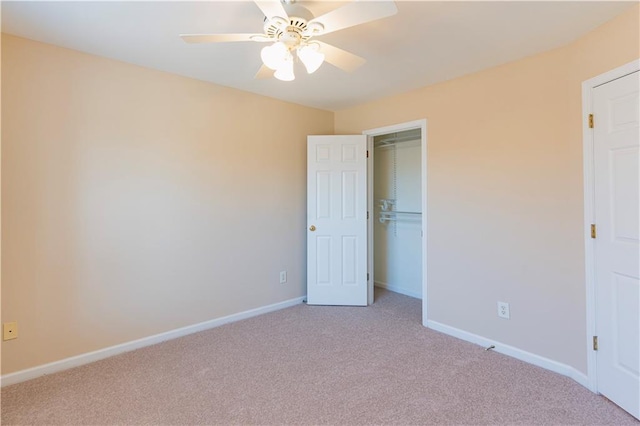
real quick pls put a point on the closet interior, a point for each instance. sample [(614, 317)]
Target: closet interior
[(397, 229)]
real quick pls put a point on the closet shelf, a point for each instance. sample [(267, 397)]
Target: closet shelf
[(397, 215), (392, 139)]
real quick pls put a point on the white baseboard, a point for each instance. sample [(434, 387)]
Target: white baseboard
[(75, 361), (514, 352), (397, 289)]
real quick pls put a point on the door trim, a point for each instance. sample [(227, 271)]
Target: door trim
[(417, 124), (589, 207)]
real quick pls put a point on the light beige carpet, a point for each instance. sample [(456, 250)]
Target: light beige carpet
[(311, 365)]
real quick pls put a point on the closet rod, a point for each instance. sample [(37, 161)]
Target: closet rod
[(387, 141), (394, 215)]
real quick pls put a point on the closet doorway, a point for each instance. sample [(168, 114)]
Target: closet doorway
[(397, 206)]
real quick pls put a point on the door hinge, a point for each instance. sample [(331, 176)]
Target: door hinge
[(595, 343), (367, 276), (591, 121), (367, 215), (593, 230), (367, 153)]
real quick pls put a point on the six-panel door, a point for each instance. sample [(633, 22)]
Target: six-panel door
[(617, 245), (337, 220)]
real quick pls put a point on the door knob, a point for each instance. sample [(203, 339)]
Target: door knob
[(312, 228)]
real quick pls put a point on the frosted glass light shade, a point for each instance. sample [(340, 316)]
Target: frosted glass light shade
[(311, 57), (274, 56), (285, 71)]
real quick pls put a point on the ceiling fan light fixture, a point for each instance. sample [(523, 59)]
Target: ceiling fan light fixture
[(274, 56), (311, 57), (285, 70)]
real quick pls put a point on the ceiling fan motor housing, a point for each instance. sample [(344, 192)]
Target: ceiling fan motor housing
[(296, 29), (290, 37), (289, 32)]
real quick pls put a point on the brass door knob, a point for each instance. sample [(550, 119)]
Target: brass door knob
[(312, 228)]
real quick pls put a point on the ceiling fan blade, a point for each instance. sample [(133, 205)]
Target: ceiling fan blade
[(342, 59), (355, 13), (218, 38), (272, 8), (264, 72)]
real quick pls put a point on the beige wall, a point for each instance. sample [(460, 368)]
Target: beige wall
[(135, 201), (505, 191)]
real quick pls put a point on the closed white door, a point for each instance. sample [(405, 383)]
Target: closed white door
[(617, 255), (337, 220)]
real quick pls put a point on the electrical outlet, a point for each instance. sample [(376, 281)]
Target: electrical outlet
[(283, 277), (503, 310), (10, 330)]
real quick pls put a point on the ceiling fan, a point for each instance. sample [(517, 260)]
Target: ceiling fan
[(290, 27)]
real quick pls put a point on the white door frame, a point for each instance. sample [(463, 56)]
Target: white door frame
[(589, 207), (417, 124)]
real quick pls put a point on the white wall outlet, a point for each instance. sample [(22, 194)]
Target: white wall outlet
[(283, 277), (503, 310)]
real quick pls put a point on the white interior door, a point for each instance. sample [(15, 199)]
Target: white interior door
[(617, 255), (337, 220)]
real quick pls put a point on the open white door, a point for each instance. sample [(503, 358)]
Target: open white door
[(616, 143), (337, 220)]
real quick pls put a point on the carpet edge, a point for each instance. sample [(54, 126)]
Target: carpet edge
[(522, 355), (89, 357)]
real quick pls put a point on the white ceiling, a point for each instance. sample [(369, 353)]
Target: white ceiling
[(425, 43)]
